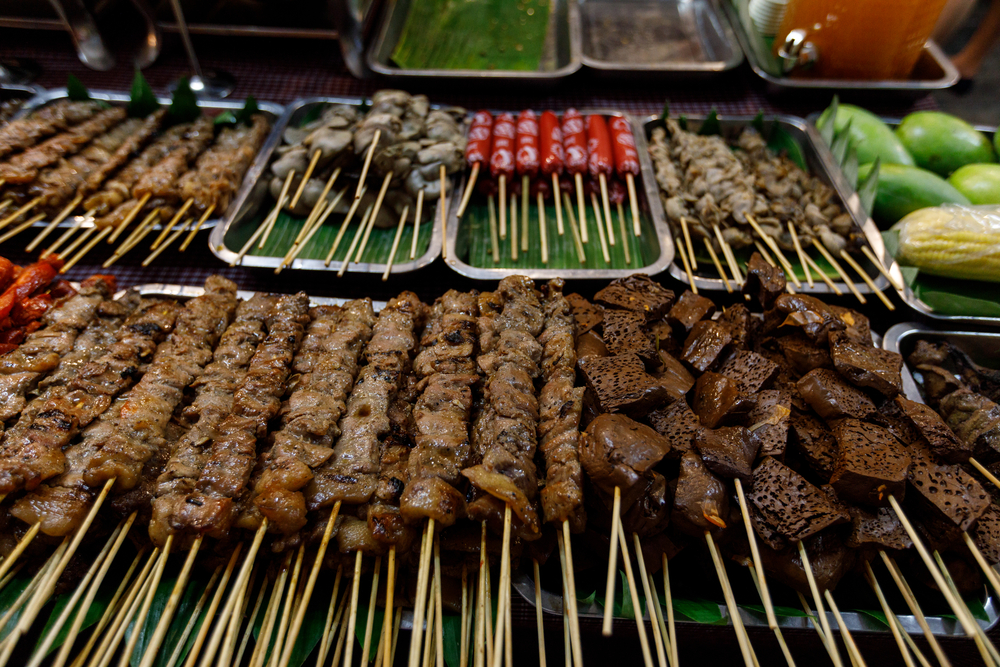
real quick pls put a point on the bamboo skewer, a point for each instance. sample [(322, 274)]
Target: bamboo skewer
[(578, 179), (801, 253), (609, 589), (577, 241), (827, 635), (130, 240), (370, 620), (870, 576), (503, 591), (438, 613), (868, 281), (525, 212), (272, 217), (840, 270), (727, 593), (822, 276), (141, 232), (27, 596), (502, 198), (852, 648), (727, 252), (464, 641), (881, 267), (622, 229), (167, 615), (513, 228), (270, 616), (469, 187), (22, 544), (984, 472), (687, 241), (603, 180), (390, 592), (429, 645), (343, 229), (780, 256), (990, 573), (911, 602), (170, 225), (305, 177), (197, 228), (789, 660), (687, 265), (87, 248), (718, 265), (295, 251), (5, 204), (444, 214), (986, 649), (557, 196), (668, 600), (373, 216), (368, 162), (420, 602), (195, 614), (543, 233), (600, 228), (481, 640), (20, 228), (62, 215), (566, 560), (318, 207), (416, 224), (19, 212), (250, 623), (131, 604), (146, 603), (765, 594), (130, 217), (169, 242), (333, 622), (340, 637), (494, 240), (76, 242), (286, 612), (634, 203), (344, 263), (658, 639)]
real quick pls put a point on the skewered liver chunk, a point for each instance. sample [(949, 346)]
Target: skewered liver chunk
[(871, 464), (678, 424), (858, 326), (829, 561), (623, 334), (638, 293), (590, 345), (879, 528), (812, 316), (701, 500), (728, 452), (704, 345), (987, 534), (621, 384), (617, 452), (737, 320), (750, 371), (586, 314), (764, 282), (866, 366), (939, 437), (673, 376), (802, 354), (650, 514), (944, 491), (717, 400), (975, 419), (688, 310), (789, 504), (891, 417), (769, 421), (831, 397), (814, 442)]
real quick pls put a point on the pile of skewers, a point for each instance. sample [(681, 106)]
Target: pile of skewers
[(735, 194), (410, 146), (428, 443), (158, 169)]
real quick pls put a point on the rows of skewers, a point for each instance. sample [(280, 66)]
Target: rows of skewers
[(536, 158), (114, 169), (429, 441)]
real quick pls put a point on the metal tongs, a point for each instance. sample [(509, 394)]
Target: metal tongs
[(90, 47)]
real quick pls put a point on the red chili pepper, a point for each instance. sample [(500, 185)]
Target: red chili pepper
[(601, 159), (31, 309), (477, 149), (527, 144), (550, 143), (6, 272), (574, 141), (626, 156), (33, 278)]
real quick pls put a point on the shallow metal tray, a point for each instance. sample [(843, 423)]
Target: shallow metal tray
[(173, 291), (270, 109), (561, 56), (645, 188), (932, 72), (821, 164), (245, 207), (706, 44)]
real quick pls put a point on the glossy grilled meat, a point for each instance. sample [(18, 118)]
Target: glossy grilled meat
[(124, 153), (211, 507), (160, 182), (23, 133)]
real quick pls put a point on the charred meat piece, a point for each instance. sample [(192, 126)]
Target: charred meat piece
[(590, 344), (638, 293), (832, 397), (891, 417), (763, 281), (866, 366), (769, 421), (623, 334), (975, 419), (858, 326), (674, 376), (718, 400), (617, 452), (737, 320), (750, 371), (871, 464), (802, 354), (945, 492), (879, 528), (689, 309), (813, 317), (704, 345), (789, 504), (621, 384), (936, 383), (728, 452), (945, 445), (987, 534), (586, 314), (985, 381), (814, 442), (678, 424), (651, 513), (701, 500)]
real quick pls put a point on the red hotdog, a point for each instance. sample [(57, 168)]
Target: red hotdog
[(477, 150), (550, 144), (623, 144), (526, 157), (574, 141), (502, 153), (601, 158)]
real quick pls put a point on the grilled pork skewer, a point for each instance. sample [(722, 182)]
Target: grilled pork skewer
[(56, 117)]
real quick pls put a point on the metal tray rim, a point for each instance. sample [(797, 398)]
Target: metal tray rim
[(847, 195), (384, 69), (216, 239), (655, 209)]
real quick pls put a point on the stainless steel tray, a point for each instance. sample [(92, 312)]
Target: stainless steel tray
[(821, 164), (655, 232), (561, 56), (612, 32), (174, 291), (933, 71), (246, 205), (272, 110)]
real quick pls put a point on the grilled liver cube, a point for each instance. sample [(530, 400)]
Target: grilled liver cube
[(623, 334), (941, 440), (621, 384), (689, 309), (789, 504), (717, 400), (728, 452), (751, 371), (866, 366), (871, 464), (832, 397), (769, 422), (678, 424), (764, 282), (638, 293), (704, 345), (945, 491)]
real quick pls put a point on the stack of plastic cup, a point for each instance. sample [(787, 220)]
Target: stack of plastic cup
[(767, 15)]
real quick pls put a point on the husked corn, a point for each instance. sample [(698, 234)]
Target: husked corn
[(952, 241)]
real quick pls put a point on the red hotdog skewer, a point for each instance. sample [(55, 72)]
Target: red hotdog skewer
[(477, 152), (600, 163), (502, 161), (550, 142), (527, 163), (575, 144), (626, 162)]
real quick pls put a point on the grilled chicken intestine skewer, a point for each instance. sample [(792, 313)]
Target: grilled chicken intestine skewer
[(59, 116)]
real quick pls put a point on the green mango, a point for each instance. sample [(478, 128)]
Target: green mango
[(903, 189), (942, 143), (979, 182), (872, 138)]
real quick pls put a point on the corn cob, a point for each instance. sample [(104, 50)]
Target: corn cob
[(952, 241)]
